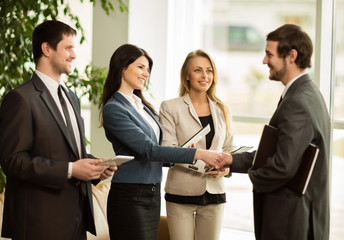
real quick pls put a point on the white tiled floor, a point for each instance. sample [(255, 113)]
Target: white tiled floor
[(239, 212), (229, 234)]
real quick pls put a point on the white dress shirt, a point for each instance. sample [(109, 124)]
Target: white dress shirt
[(52, 86)]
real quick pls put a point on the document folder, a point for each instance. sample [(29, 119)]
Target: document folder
[(267, 148)]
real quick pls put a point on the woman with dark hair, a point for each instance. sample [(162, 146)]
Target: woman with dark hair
[(195, 200), (132, 126)]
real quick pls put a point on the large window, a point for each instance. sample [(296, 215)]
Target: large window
[(337, 196), (339, 63), (234, 33)]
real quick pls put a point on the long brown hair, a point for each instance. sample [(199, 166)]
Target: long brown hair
[(120, 60), (184, 87)]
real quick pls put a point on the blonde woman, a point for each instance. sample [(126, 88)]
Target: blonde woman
[(195, 198)]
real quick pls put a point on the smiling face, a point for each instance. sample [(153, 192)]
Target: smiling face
[(61, 58), (135, 75), (200, 74), (277, 64)]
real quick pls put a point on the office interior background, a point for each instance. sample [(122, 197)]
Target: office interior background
[(233, 32)]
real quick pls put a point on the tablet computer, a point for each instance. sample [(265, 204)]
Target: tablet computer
[(197, 136), (242, 149), (117, 161)]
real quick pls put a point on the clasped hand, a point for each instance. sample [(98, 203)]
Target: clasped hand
[(219, 160), (88, 169)]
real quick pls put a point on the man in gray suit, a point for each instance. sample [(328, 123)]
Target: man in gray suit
[(301, 118), (42, 149)]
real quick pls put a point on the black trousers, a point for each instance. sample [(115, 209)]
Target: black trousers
[(133, 211)]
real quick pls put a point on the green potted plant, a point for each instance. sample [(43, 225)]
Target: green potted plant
[(2, 181), (17, 22)]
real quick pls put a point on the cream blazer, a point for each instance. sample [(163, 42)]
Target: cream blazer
[(179, 122)]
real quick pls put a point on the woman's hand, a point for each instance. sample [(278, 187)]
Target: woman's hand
[(217, 173)]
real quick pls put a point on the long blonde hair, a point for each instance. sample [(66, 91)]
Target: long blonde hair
[(184, 87)]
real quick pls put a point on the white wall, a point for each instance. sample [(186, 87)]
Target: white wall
[(165, 28), (109, 32)]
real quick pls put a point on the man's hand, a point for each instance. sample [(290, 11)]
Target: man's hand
[(226, 162), (108, 172), (211, 158), (86, 169)]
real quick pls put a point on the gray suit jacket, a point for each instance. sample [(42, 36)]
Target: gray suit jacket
[(302, 118), (35, 152), (179, 122)]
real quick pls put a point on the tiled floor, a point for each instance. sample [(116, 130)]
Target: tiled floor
[(229, 234), (239, 213)]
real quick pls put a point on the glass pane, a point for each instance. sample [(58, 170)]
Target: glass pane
[(234, 34), (339, 63), (337, 190), (239, 207), (337, 193)]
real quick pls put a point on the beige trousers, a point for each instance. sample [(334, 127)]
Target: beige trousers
[(194, 222)]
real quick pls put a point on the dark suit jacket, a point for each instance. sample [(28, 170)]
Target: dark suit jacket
[(301, 118), (40, 202)]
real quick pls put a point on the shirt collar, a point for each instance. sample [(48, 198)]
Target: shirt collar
[(50, 83), (134, 100), (290, 83)]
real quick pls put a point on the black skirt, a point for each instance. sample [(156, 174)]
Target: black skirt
[(133, 211)]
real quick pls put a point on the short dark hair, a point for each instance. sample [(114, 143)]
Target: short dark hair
[(52, 32), (120, 60), (290, 36)]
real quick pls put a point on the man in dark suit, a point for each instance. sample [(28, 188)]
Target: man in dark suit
[(42, 150), (301, 118)]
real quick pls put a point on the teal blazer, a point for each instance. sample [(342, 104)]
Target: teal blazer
[(130, 134)]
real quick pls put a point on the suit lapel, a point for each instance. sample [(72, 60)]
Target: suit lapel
[(119, 97), (157, 122), (294, 87), (49, 101), (73, 101), (217, 127), (191, 109), (291, 91)]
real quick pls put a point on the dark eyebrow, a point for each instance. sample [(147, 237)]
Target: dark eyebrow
[(141, 64)]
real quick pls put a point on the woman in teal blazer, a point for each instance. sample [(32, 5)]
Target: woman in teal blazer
[(132, 126)]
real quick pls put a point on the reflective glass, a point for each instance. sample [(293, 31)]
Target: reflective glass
[(234, 34), (339, 63)]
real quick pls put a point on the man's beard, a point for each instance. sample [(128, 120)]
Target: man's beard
[(278, 75)]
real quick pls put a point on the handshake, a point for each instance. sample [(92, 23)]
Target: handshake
[(218, 160)]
